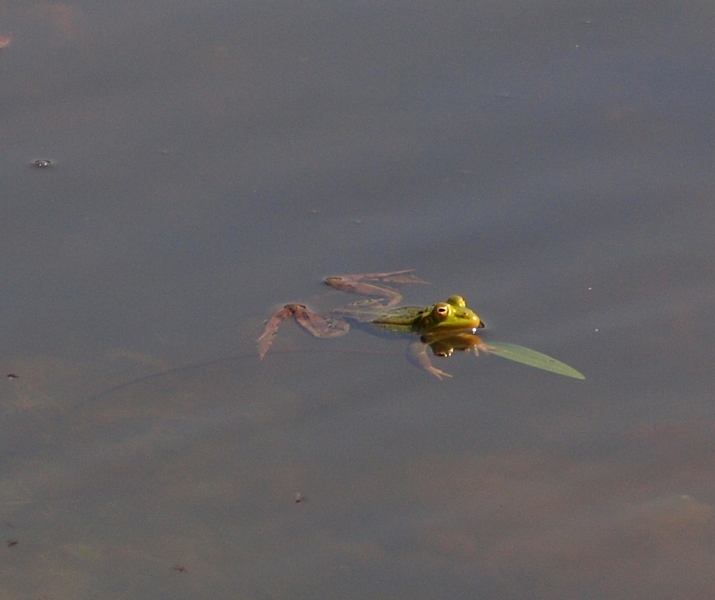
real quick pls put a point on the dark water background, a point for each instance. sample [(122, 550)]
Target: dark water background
[(551, 161)]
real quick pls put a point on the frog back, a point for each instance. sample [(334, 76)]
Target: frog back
[(400, 319)]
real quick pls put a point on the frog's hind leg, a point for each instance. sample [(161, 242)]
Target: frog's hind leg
[(403, 277), (399, 277), (387, 297), (315, 324)]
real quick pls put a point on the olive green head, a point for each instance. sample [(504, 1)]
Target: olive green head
[(453, 315)]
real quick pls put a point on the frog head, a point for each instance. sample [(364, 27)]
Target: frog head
[(453, 315)]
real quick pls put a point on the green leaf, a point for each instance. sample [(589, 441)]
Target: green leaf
[(532, 358)]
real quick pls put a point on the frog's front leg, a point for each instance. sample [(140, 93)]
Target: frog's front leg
[(417, 355), (360, 284), (314, 323)]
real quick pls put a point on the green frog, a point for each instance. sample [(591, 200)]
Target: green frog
[(444, 327)]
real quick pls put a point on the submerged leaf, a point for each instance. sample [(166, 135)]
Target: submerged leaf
[(532, 358)]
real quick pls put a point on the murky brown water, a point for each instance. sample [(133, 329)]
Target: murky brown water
[(550, 162)]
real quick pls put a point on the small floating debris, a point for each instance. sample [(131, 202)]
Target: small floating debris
[(5, 41), (299, 497), (179, 569), (12, 543), (42, 163), (12, 376)]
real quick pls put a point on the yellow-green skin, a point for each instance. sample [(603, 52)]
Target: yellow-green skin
[(450, 316)]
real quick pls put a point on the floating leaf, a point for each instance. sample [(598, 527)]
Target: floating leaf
[(532, 358)]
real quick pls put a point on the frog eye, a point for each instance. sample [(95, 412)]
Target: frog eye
[(457, 301), (442, 311)]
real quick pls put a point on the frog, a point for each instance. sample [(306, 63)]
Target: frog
[(445, 327)]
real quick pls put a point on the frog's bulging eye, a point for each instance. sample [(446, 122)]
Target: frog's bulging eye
[(458, 301), (442, 311)]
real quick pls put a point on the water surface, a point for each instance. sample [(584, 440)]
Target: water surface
[(550, 162)]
